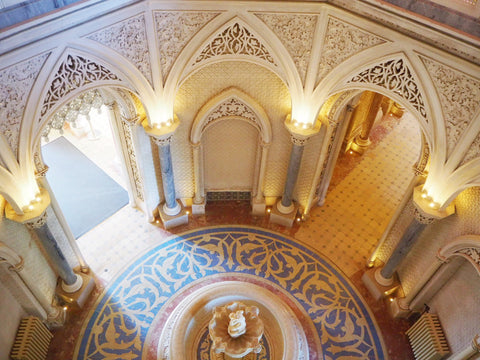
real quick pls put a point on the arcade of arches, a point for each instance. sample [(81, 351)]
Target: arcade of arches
[(351, 129)]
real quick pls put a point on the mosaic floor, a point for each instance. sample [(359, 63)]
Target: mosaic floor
[(120, 323), (358, 183)]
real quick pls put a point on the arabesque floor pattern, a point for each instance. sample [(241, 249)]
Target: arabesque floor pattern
[(363, 195)]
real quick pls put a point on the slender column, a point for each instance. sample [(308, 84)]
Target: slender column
[(423, 216), (261, 174), (171, 206), (71, 281), (373, 104), (198, 199), (472, 349), (286, 204)]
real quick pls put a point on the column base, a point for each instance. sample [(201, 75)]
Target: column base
[(399, 308), (278, 217), (359, 145), (172, 211), (199, 209), (170, 221), (377, 290), (79, 297), (258, 207)]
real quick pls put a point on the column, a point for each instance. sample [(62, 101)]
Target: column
[(198, 206), (171, 212), (36, 219), (286, 206), (285, 210), (368, 111), (258, 203), (472, 349), (380, 282)]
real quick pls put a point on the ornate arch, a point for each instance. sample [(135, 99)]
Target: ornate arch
[(467, 247), (231, 103)]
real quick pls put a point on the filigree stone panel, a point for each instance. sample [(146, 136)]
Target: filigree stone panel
[(473, 151), (394, 75), (296, 32), (75, 72), (128, 38), (174, 30), (459, 96), (15, 84), (132, 159), (232, 107), (341, 42), (235, 40)]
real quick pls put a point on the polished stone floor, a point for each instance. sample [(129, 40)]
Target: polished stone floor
[(363, 195)]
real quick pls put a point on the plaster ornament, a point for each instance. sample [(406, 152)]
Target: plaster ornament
[(394, 75), (459, 97), (296, 32), (236, 330), (342, 41), (129, 39)]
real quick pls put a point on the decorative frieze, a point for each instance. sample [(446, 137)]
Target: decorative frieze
[(16, 83), (422, 218), (174, 30), (129, 39), (394, 75), (75, 72), (38, 222), (235, 40), (459, 97), (132, 159), (341, 42), (296, 32)]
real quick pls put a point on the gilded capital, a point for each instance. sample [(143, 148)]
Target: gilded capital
[(163, 132), (300, 133)]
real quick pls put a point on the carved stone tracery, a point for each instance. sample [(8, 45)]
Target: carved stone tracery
[(75, 72), (394, 75), (235, 40), (232, 107), (132, 158), (472, 255)]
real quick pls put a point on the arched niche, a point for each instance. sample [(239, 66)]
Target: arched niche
[(230, 105)]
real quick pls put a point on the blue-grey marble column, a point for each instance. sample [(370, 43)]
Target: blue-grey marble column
[(171, 205), (409, 238), (292, 173), (71, 281)]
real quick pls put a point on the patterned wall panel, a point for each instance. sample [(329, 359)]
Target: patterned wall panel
[(258, 82), (341, 42), (128, 38), (174, 30), (16, 82), (230, 147), (459, 97), (450, 307), (296, 32)]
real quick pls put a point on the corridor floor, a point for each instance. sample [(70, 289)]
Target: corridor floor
[(363, 195)]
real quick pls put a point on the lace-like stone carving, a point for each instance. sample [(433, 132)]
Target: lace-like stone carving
[(174, 30), (237, 40), (74, 72), (473, 151), (394, 75), (129, 39), (472, 255), (296, 32), (38, 222), (459, 97), (232, 107), (16, 82), (132, 159), (422, 218), (341, 42)]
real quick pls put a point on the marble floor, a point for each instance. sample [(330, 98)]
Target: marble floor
[(362, 197)]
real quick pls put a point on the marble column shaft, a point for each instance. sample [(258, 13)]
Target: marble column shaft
[(292, 174), (403, 247), (375, 103), (167, 174), (54, 252)]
